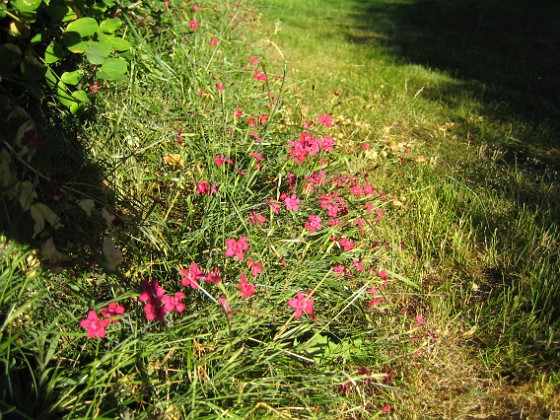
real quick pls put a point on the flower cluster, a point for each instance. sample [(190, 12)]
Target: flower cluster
[(157, 303), (96, 325), (308, 145)]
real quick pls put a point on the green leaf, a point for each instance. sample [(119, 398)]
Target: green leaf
[(74, 43), (72, 77), (404, 280), (64, 95), (84, 27), (81, 96), (3, 9), (97, 52), (109, 26), (53, 53), (27, 5), (113, 69), (37, 39), (61, 13)]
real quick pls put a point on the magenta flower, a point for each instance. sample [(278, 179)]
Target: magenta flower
[(358, 265), (419, 321), (225, 306), (246, 289), (346, 244), (292, 203), (191, 276), (274, 206), (171, 303), (193, 25), (257, 219), (256, 267), (220, 86), (237, 248), (213, 42), (94, 326), (314, 223), (301, 304), (152, 297), (325, 120), (259, 75), (112, 311), (204, 188), (213, 276)]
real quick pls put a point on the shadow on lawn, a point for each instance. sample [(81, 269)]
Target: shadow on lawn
[(505, 52), (505, 56), (45, 166)]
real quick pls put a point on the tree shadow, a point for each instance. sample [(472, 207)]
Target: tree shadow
[(51, 192), (505, 52)]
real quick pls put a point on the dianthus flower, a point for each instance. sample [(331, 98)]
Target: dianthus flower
[(346, 244), (325, 120), (94, 326), (256, 267), (191, 276), (112, 311), (246, 289), (213, 276), (259, 75), (171, 303), (237, 248), (292, 203), (193, 25), (152, 297), (314, 223), (302, 304), (257, 219)]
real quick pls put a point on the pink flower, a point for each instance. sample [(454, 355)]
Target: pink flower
[(204, 188), (263, 119), (213, 276), (274, 206), (112, 311), (225, 305), (292, 203), (171, 303), (325, 120), (195, 8), (257, 219), (219, 160), (246, 289), (358, 265), (194, 25), (254, 60), (259, 75), (220, 86), (191, 276), (383, 274), (346, 244), (166, 4), (301, 304), (94, 326), (419, 321), (152, 296), (379, 214), (237, 113), (256, 137), (213, 42), (256, 267), (201, 93), (94, 87), (314, 224), (237, 248)]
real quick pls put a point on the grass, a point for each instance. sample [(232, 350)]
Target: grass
[(462, 218)]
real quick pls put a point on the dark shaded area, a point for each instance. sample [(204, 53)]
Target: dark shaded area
[(44, 148), (507, 52)]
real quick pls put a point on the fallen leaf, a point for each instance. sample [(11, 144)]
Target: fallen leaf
[(87, 205), (113, 256), (173, 159)]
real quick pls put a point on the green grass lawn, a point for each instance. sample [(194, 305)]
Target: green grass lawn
[(349, 208)]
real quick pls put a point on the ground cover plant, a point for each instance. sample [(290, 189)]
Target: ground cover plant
[(242, 229)]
